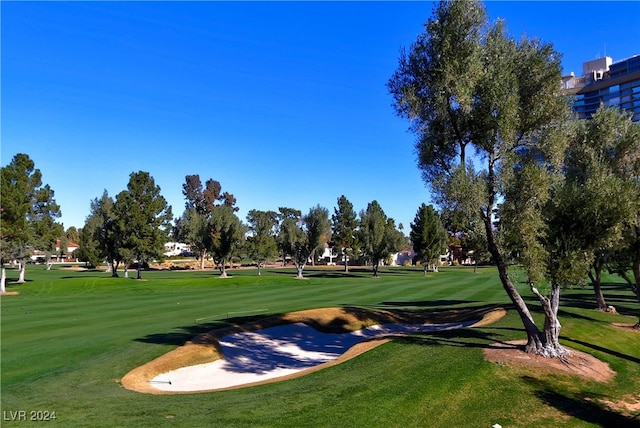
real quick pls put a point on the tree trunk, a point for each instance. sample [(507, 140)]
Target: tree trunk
[(3, 280), (596, 281), (535, 344), (299, 270), (636, 276), (346, 262), (223, 268), (114, 268), (600, 300), (49, 265), (23, 267), (635, 286), (549, 345)]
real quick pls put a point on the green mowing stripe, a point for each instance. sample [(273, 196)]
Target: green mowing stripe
[(85, 332), (477, 293)]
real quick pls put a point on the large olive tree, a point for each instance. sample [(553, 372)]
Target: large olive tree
[(226, 234), (606, 152), (609, 145), (261, 242), (465, 85), (303, 238)]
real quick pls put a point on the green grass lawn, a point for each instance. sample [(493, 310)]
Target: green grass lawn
[(69, 336)]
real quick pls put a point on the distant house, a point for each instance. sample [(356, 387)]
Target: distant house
[(328, 256), (456, 255), (402, 257), (176, 249), (38, 256), (58, 255), (71, 247)]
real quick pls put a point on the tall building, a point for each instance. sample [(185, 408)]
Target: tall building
[(607, 83)]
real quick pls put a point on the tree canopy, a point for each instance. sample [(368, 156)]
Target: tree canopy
[(344, 226), (261, 242), (466, 84), (378, 235), (226, 236), (144, 218), (193, 227), (428, 236), (28, 213), (102, 235), (302, 238)]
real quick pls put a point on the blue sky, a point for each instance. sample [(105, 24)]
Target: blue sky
[(284, 103)]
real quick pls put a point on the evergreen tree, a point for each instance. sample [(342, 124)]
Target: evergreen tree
[(192, 227), (27, 214), (143, 219), (345, 230), (428, 236)]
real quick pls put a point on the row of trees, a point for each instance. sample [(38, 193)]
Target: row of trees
[(211, 228), (501, 152), (128, 229), (135, 225)]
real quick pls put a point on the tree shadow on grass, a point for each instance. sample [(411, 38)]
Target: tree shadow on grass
[(332, 274), (581, 406), (459, 338), (562, 313), (14, 285), (84, 275), (428, 303), (601, 349), (624, 304), (587, 300), (359, 272), (181, 335), (13, 282)]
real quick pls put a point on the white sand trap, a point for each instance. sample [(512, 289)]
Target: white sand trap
[(274, 352)]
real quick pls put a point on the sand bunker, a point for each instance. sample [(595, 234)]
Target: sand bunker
[(270, 350), (276, 352)]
